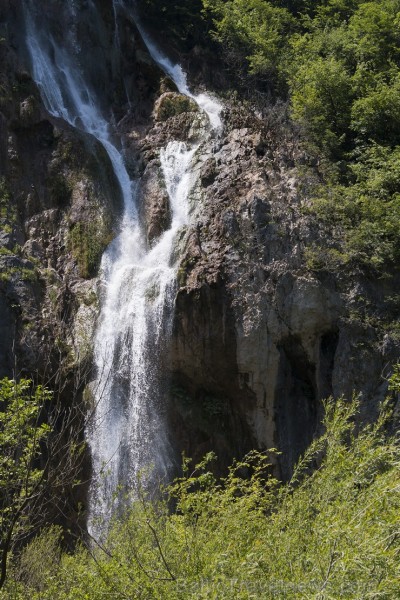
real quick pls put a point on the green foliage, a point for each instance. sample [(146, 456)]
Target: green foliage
[(376, 116), (374, 33), (394, 379), (174, 104), (39, 561), (321, 93), (26, 274), (362, 55), (7, 209), (340, 60), (329, 533), (337, 62), (254, 31), (22, 434), (367, 211)]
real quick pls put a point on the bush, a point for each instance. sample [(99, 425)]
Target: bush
[(367, 212), (331, 532), (254, 33), (376, 116), (88, 240)]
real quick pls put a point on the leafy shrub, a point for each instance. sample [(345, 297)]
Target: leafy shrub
[(331, 532), (376, 115), (254, 32), (368, 211)]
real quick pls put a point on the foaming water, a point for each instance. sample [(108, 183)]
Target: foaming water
[(127, 430), (210, 106), (128, 433)]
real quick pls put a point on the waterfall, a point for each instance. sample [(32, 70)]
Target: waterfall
[(127, 431), (210, 106), (66, 95)]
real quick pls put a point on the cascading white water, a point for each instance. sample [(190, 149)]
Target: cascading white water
[(210, 105), (127, 430), (66, 96)]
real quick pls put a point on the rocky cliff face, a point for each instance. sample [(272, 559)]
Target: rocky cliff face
[(259, 338), (60, 201)]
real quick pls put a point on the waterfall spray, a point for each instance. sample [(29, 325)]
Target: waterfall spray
[(127, 430)]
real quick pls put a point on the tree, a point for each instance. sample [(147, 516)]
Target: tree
[(321, 100), (36, 463), (376, 116), (253, 32)]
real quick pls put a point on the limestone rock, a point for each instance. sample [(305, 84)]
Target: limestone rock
[(254, 327), (208, 172)]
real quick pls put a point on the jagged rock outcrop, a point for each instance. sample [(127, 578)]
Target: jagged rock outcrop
[(259, 337)]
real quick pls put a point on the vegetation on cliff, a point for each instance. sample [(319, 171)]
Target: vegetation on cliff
[(331, 532), (22, 479)]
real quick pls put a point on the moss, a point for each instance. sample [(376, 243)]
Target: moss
[(167, 85), (5, 276), (6, 228), (23, 273), (319, 258), (393, 330), (7, 208), (91, 299), (184, 269), (88, 240), (60, 189), (67, 153), (172, 104), (87, 397)]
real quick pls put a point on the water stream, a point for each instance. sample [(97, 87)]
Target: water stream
[(127, 431)]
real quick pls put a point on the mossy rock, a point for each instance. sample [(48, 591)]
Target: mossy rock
[(29, 112), (88, 240), (171, 104)]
